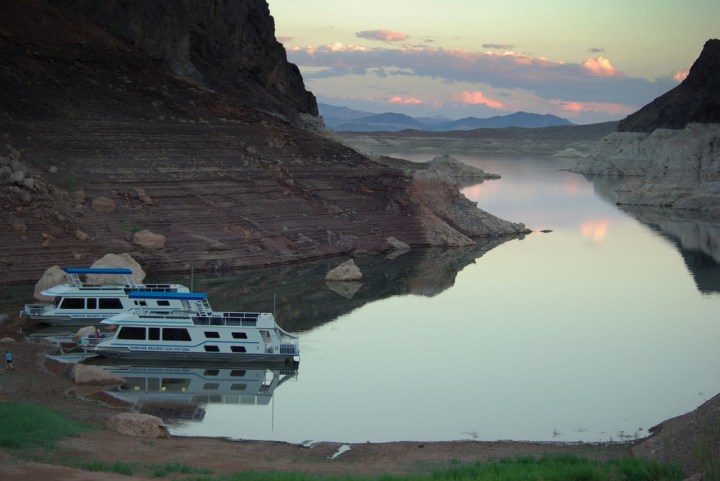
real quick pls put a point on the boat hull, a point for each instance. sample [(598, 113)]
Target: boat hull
[(205, 357)]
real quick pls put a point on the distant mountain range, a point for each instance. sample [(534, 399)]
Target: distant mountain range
[(344, 119)]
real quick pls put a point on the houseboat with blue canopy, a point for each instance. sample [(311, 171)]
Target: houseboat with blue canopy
[(193, 333), (82, 303)]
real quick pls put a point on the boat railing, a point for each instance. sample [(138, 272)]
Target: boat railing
[(291, 349), (247, 319), (36, 309), (152, 288), (76, 282), (91, 340)]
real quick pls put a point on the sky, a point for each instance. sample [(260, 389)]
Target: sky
[(587, 61)]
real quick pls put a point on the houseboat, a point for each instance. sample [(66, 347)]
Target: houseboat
[(193, 333), (80, 303)]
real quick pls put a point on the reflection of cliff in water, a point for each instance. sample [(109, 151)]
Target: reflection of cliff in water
[(697, 238), (303, 300)]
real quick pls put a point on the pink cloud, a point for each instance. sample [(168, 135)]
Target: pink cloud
[(681, 75), (477, 97), (603, 107), (600, 67), (383, 35), (405, 100)]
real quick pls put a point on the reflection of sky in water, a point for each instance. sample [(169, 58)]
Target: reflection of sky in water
[(591, 332)]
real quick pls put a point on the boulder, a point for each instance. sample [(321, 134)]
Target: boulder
[(138, 425), (117, 261), (149, 240), (103, 205), (52, 276), (347, 271), (81, 236), (83, 374), (397, 244), (83, 331)]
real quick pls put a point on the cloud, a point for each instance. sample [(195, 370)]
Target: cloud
[(600, 66), (405, 100), (606, 108), (596, 50), (285, 40), (593, 81), (681, 75), (498, 46), (383, 35), (477, 98)]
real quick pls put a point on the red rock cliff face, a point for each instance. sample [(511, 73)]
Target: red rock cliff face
[(120, 117), (227, 45)]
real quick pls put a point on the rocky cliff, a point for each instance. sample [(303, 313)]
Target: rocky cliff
[(178, 132), (669, 151)]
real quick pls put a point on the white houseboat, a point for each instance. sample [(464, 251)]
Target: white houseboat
[(195, 333), (79, 303)]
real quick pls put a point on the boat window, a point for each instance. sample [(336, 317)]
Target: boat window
[(212, 335), (239, 335), (73, 303), (154, 333), (135, 333), (141, 303), (56, 301), (110, 303), (237, 373), (212, 349), (237, 348), (175, 334), (175, 385), (153, 384), (212, 372), (238, 387), (137, 384), (163, 303), (211, 386), (92, 303)]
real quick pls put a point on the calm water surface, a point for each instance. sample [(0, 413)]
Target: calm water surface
[(595, 331)]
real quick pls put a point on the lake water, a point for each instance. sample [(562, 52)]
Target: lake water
[(595, 331)]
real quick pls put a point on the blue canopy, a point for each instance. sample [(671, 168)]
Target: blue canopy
[(187, 296), (97, 270)]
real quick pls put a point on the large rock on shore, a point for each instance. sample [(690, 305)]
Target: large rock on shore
[(138, 425)]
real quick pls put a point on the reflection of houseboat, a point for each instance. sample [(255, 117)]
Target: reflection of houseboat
[(79, 303), (181, 392), (194, 333)]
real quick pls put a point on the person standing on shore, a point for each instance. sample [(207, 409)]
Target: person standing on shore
[(8, 361)]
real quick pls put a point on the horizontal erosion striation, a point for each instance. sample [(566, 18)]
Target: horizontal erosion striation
[(225, 195)]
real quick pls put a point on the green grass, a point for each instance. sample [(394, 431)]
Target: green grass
[(116, 467), (549, 468), (167, 469), (29, 426)]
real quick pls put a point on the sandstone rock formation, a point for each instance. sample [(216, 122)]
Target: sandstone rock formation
[(454, 168), (53, 276), (672, 145), (190, 121), (138, 425), (123, 260), (149, 240)]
